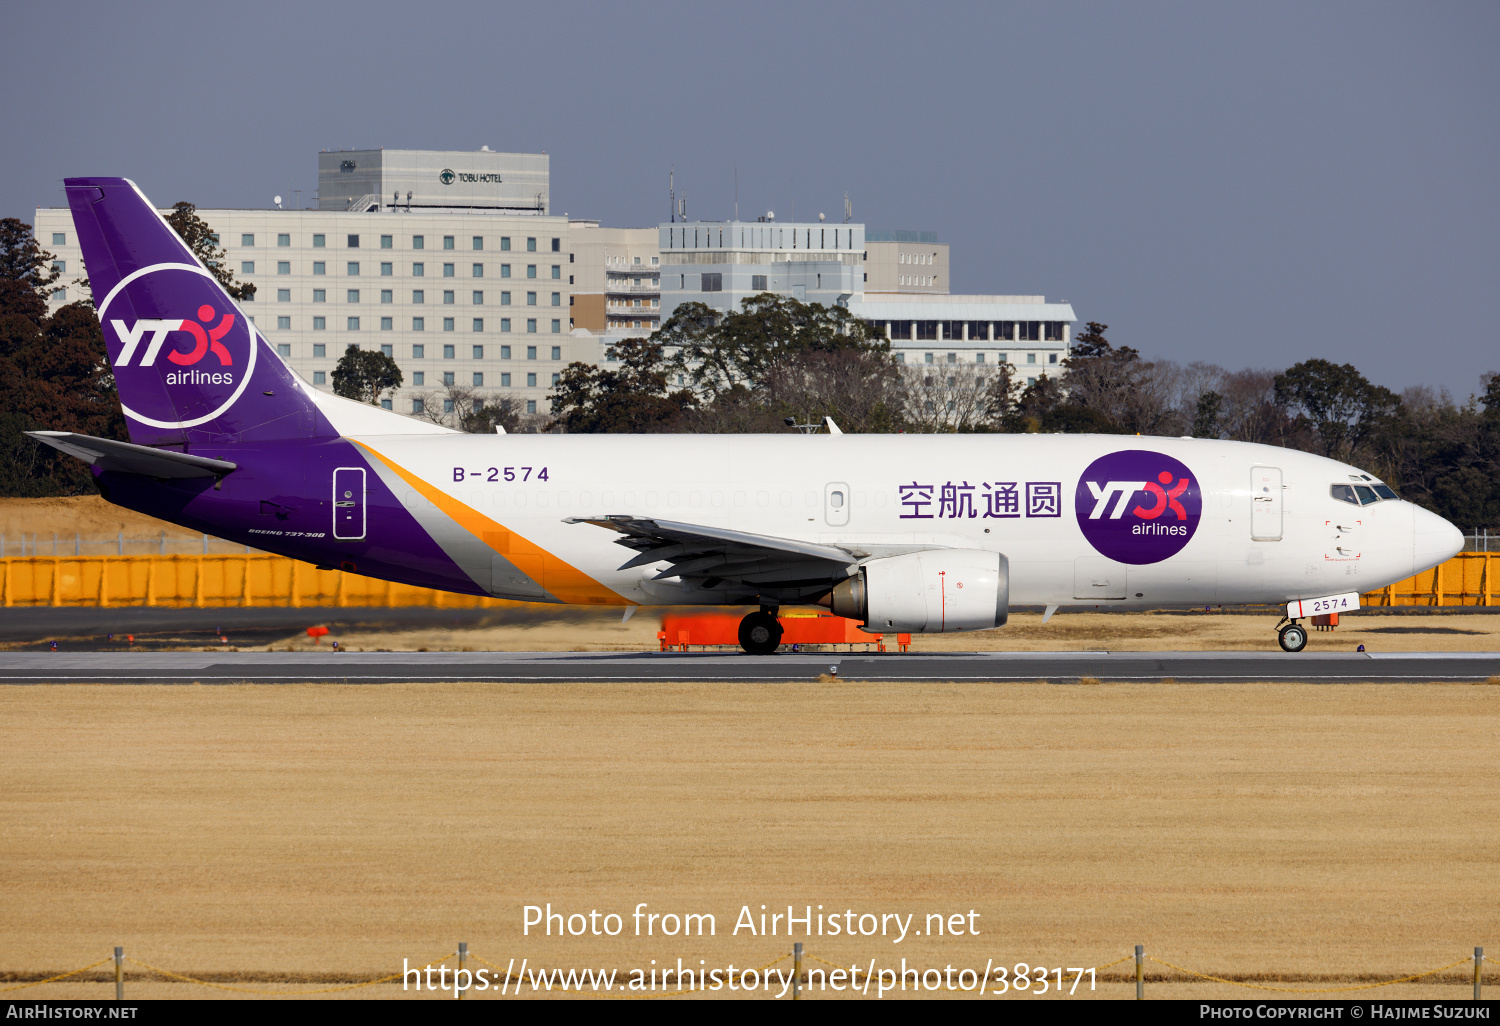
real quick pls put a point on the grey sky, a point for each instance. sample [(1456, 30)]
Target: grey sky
[(1247, 184)]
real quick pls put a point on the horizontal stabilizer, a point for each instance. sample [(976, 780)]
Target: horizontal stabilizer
[(128, 458)]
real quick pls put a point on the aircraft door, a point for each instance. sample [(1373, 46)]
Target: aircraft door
[(1265, 503), (349, 503), (836, 504)]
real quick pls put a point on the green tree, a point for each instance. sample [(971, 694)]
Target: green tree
[(495, 413), (365, 375), (629, 393), (23, 262), (1338, 401), (1207, 414), (204, 243)]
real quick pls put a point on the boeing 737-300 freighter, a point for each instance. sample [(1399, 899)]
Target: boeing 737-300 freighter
[(910, 533)]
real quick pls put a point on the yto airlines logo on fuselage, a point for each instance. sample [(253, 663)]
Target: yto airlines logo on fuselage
[(1138, 506), (176, 371)]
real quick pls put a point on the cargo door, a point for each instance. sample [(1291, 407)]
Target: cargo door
[(836, 504), (1099, 579), (349, 503), (1265, 503)]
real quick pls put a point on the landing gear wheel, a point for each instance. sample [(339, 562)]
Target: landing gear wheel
[(1293, 637), (760, 634)]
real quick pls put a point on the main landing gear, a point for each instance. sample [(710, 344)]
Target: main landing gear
[(1293, 636), (760, 632)]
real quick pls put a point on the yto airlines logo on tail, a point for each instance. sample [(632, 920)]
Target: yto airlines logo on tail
[(176, 371), (1138, 506)]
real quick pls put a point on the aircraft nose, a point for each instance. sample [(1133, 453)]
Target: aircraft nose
[(1434, 540)]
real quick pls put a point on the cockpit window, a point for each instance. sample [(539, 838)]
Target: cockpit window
[(1366, 495), (1344, 493), (1384, 491), (1361, 495)]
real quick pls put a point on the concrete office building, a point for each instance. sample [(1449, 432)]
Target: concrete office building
[(615, 279), (898, 261), (719, 263), (477, 181)]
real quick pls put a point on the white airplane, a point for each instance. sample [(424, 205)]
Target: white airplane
[(908, 533)]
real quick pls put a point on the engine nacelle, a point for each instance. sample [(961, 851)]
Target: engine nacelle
[(928, 592)]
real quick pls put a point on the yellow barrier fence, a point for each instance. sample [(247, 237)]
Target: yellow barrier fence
[(261, 579), (231, 579)]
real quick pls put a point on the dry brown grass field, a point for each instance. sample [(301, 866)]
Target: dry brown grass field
[(1317, 834)]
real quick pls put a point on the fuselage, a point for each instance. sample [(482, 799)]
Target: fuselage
[(488, 514)]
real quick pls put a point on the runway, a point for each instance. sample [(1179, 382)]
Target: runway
[(649, 667)]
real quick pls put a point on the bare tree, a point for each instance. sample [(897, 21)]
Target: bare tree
[(945, 397)]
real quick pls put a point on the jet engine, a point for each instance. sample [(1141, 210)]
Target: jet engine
[(928, 592)]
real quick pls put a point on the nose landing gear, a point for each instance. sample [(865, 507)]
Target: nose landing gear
[(1293, 636), (760, 632)]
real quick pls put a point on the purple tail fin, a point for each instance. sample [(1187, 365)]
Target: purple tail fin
[(189, 365)]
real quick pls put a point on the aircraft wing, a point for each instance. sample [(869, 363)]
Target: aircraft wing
[(709, 556), (128, 458)]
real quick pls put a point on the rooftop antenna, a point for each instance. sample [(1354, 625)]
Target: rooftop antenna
[(408, 201), (297, 196), (672, 194), (682, 206), (848, 209), (736, 192), (277, 201)]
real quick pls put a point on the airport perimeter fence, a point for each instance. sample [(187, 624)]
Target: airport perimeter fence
[(995, 980), (261, 579), (36, 543)]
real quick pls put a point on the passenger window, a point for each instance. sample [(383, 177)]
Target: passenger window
[(1344, 493), (1366, 495)]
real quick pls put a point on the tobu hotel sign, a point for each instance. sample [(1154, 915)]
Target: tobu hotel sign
[(448, 176), (1138, 506)]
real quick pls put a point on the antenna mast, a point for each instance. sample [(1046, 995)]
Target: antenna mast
[(672, 194), (848, 210)]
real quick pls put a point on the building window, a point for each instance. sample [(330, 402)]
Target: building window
[(351, 295), (284, 350), (387, 296), (1031, 331), (505, 324), (418, 242), (387, 242), (556, 327), (447, 270), (1051, 357), (953, 331), (1031, 358), (418, 406), (447, 323), (419, 324), (531, 352), (319, 241), (283, 324), (447, 242), (419, 270), (353, 324), (419, 296), (531, 326), (505, 381), (1000, 358), (387, 350), (320, 351), (505, 299), (531, 406), (478, 377), (386, 404), (319, 267), (247, 266), (713, 282), (557, 299), (477, 271), (505, 352), (59, 238), (478, 299), (387, 269), (952, 357), (505, 242), (556, 380), (353, 269), (531, 299), (353, 241), (531, 270), (283, 267), (479, 242), (505, 270), (319, 323), (557, 270), (320, 378), (557, 352), (757, 283), (320, 295), (531, 245), (418, 352), (283, 295), (418, 378), (927, 358), (1055, 330), (448, 297), (448, 352), (531, 381), (247, 240), (448, 377), (479, 324)]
